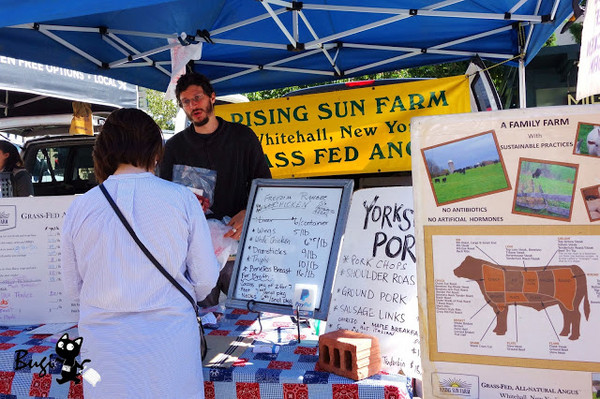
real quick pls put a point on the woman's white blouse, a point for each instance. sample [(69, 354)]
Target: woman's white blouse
[(104, 267)]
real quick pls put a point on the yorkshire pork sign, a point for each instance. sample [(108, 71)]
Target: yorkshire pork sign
[(365, 130)]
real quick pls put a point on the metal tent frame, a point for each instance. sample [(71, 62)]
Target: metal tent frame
[(255, 45)]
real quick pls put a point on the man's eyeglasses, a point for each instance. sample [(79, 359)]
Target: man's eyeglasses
[(186, 102)]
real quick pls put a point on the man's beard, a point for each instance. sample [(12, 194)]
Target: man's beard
[(201, 122), (208, 111)]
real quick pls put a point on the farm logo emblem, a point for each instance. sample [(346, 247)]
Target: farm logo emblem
[(459, 385), (8, 218)]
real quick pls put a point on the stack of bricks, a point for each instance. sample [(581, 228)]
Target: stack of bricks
[(349, 354)]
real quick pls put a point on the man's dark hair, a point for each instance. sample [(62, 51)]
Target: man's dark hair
[(193, 79), (128, 136)]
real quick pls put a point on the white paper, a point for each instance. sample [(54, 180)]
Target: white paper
[(180, 56), (588, 76), (31, 286)]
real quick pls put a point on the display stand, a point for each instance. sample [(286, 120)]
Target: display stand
[(250, 307), (297, 320)]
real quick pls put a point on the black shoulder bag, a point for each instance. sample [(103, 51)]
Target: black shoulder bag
[(203, 346)]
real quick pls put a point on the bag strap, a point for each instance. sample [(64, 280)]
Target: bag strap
[(148, 253)]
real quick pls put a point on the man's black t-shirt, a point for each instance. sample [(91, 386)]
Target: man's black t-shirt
[(232, 151)]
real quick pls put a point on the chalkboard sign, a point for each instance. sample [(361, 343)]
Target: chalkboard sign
[(292, 235)]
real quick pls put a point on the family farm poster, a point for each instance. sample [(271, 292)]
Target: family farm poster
[(507, 223)]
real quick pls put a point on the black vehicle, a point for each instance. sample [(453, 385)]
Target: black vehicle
[(60, 165)]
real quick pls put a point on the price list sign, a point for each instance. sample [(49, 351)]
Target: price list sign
[(31, 287), (292, 235)]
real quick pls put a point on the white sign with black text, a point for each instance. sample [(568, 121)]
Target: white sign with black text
[(31, 287), (375, 289)]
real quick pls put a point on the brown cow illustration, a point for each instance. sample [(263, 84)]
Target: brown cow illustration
[(536, 287)]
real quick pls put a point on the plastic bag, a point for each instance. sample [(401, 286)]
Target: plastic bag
[(224, 246), (200, 180)]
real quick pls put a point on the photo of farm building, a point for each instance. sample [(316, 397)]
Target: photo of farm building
[(466, 168)]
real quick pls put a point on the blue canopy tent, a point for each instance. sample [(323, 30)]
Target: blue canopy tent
[(250, 45)]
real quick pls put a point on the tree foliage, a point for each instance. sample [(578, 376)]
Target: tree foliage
[(575, 31), (163, 111), (576, 28)]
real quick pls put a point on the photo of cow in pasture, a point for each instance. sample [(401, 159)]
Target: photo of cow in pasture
[(587, 140), (545, 189), (466, 168), (535, 287)]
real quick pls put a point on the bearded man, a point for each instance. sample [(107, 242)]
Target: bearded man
[(223, 156)]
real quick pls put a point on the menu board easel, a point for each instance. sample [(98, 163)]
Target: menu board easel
[(292, 235)]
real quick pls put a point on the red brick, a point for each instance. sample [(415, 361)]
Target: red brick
[(349, 354)]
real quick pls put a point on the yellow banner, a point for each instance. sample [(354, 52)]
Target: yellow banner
[(365, 130)]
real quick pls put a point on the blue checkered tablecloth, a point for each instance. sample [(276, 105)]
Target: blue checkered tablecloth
[(292, 372), (29, 366)]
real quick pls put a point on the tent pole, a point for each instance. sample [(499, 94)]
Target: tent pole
[(522, 88)]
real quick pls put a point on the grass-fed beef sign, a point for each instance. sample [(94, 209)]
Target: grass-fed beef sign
[(31, 280), (365, 130)]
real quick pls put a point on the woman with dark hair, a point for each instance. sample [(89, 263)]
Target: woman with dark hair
[(10, 161), (139, 332)]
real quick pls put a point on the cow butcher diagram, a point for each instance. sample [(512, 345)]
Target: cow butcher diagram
[(536, 287)]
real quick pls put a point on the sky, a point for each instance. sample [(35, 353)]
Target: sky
[(466, 152)]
